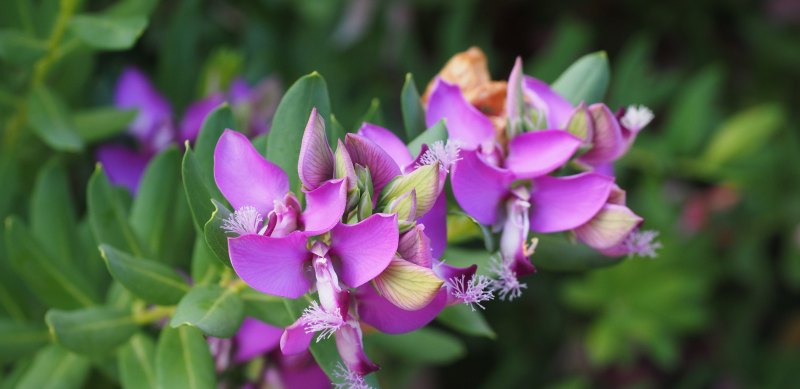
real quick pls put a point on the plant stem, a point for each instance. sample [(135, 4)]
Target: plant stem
[(153, 314)]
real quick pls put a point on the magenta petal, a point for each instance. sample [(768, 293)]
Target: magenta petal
[(350, 345), (607, 141), (479, 187), (364, 249), (556, 108), (195, 115), (315, 165), (378, 312), (388, 141), (300, 371), (123, 166), (563, 203), (448, 272), (465, 124), (534, 154), (294, 339), (275, 266), (414, 246), (435, 222), (134, 91), (244, 176), (255, 338), (324, 207), (367, 153)]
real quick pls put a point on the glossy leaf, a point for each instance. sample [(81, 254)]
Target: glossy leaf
[(91, 331), (290, 120), (136, 361), (108, 215), (108, 32), (53, 282), (411, 105), (206, 268), (267, 308), (50, 121), (19, 47), (55, 367), (586, 80), (183, 360), (149, 280), (18, 340), (199, 191), (217, 121), (436, 132), (215, 310), (425, 345), (100, 123), (465, 320), (743, 134), (215, 236), (52, 214)]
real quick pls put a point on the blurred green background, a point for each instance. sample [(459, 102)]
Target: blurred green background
[(717, 173)]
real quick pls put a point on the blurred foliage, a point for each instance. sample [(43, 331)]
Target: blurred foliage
[(716, 174)]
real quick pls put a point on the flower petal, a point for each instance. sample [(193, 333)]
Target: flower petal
[(351, 349), (134, 90), (609, 227), (408, 285), (534, 154), (123, 166), (563, 203), (424, 181), (294, 339), (607, 142), (448, 272), (388, 141), (414, 246), (255, 338), (479, 187), (555, 107), (378, 312), (465, 124), (315, 165), (244, 176), (364, 249), (324, 207), (275, 266), (367, 153), (435, 222)]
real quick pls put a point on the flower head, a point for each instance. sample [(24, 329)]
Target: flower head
[(246, 220), (506, 284), (319, 320), (445, 153), (349, 378), (637, 117), (473, 291), (642, 243)]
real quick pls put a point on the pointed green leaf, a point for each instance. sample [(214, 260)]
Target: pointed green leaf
[(425, 345), (108, 32), (149, 280), (19, 47), (215, 310), (91, 331), (101, 123), (215, 236), (136, 360), (50, 121), (743, 134), (267, 308), (436, 132), (183, 360), (54, 367), (217, 121), (585, 80), (52, 215), (159, 215), (206, 268), (466, 320), (424, 181), (199, 191), (18, 340), (108, 215), (373, 114), (411, 105), (55, 283), (290, 120)]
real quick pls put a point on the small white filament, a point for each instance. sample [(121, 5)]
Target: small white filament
[(472, 292), (636, 118), (446, 154), (322, 321), (246, 220)]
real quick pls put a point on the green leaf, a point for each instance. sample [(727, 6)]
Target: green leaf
[(100, 123), (744, 134), (435, 133), (290, 120), (108, 32), (585, 80), (108, 215), (558, 254), (183, 359), (413, 112), (425, 345), (56, 284), (52, 214), (215, 236), (136, 361), (50, 121), (91, 331), (215, 310), (198, 191), (267, 308), (693, 112), (149, 280), (214, 124), (373, 114), (206, 268), (159, 215), (466, 320), (18, 340), (54, 367), (21, 48)]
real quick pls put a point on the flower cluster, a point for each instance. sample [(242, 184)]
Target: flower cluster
[(367, 230)]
